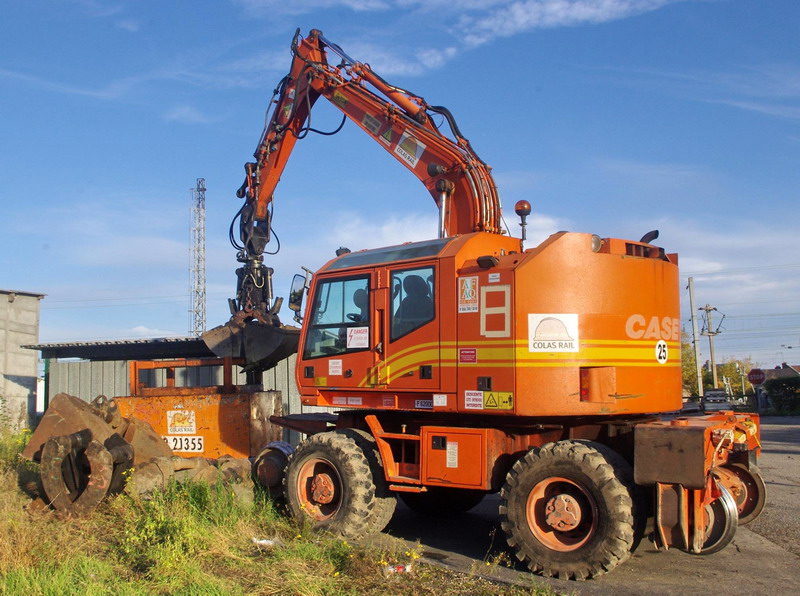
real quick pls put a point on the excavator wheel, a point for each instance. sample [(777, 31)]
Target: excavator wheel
[(442, 500), (329, 482), (567, 509), (385, 501), (747, 488)]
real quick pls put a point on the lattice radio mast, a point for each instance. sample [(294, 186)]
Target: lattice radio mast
[(197, 287)]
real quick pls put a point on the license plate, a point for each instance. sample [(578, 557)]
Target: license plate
[(185, 444)]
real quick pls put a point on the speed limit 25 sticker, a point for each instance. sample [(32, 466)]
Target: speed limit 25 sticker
[(662, 352)]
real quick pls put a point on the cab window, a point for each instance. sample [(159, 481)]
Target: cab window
[(339, 321), (412, 300)]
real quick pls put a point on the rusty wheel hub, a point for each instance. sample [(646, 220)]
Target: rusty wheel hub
[(319, 488), (322, 488), (563, 513)]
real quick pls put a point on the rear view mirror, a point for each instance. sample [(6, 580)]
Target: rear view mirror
[(297, 292)]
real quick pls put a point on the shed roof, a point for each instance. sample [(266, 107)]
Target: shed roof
[(129, 349), (22, 293)]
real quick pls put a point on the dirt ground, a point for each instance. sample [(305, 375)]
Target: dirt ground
[(764, 558)]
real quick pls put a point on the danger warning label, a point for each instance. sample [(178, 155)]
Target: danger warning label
[(488, 400), (496, 400)]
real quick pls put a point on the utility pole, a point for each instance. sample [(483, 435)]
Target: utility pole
[(695, 339), (708, 308), (197, 287)]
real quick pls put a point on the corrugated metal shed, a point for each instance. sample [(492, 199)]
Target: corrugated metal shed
[(103, 369)]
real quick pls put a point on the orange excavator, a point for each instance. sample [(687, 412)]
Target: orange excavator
[(469, 364)]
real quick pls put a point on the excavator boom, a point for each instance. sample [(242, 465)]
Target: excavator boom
[(399, 121)]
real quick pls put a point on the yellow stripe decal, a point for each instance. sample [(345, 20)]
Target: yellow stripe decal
[(508, 353)]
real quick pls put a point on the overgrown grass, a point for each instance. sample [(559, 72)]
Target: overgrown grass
[(192, 539)]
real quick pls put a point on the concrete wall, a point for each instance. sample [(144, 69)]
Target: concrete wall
[(19, 325)]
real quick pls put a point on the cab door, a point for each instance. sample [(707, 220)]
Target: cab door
[(411, 350), (337, 349)]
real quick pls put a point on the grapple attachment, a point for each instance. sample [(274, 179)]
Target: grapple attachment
[(262, 345)]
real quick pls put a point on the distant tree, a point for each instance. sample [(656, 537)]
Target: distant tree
[(784, 394), (688, 368), (735, 369)]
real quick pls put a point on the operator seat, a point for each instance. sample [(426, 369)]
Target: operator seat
[(361, 300), (416, 309)]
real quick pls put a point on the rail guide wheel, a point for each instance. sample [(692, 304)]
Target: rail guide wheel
[(567, 509), (747, 488), (721, 521)]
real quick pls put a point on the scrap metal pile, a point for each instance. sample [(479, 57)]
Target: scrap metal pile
[(88, 451)]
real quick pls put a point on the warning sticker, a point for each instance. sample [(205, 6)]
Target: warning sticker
[(439, 400), (473, 400), (452, 455), (357, 337), (387, 137), (467, 294), (340, 98), (409, 149), (335, 368), (372, 124), (497, 400), (181, 422), (467, 355), (553, 333)]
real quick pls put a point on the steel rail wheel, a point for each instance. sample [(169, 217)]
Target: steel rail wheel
[(330, 484), (747, 489), (722, 519), (567, 509)]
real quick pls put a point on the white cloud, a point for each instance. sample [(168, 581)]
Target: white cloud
[(130, 25), (357, 232), (186, 114), (742, 268), (295, 8), (521, 16), (771, 89), (396, 62), (144, 331), (471, 22)]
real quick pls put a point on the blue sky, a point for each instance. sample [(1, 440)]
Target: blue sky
[(610, 116)]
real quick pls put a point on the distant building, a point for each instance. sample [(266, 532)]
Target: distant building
[(784, 371), (19, 325)]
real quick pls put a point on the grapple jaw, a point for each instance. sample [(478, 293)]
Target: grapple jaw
[(262, 345)]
